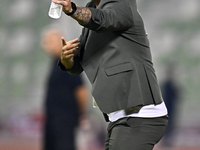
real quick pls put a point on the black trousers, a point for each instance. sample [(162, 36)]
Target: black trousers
[(134, 133)]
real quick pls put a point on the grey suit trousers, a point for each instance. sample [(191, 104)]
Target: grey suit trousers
[(135, 133)]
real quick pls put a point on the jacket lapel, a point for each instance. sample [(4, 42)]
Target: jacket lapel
[(83, 39)]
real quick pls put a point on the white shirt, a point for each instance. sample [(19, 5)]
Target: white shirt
[(149, 111)]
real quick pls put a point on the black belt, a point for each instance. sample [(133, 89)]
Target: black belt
[(127, 111)]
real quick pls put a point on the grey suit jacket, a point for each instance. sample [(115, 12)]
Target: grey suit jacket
[(116, 57)]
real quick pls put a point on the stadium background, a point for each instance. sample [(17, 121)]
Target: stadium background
[(174, 33)]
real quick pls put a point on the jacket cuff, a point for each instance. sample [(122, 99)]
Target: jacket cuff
[(76, 69), (62, 67), (92, 25)]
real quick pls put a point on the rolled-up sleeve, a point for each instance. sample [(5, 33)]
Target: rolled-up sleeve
[(112, 16)]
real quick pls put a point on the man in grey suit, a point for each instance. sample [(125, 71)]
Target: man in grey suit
[(114, 52)]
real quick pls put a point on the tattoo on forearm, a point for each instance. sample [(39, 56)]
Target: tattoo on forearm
[(82, 15)]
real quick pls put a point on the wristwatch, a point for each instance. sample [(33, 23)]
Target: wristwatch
[(73, 9)]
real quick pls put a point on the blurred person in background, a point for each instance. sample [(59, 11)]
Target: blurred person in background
[(65, 101), (171, 94)]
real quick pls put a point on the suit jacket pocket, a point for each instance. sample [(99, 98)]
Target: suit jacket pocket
[(124, 67), (111, 87)]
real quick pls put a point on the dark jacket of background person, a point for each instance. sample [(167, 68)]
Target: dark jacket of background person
[(61, 110)]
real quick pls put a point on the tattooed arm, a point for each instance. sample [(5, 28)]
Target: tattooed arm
[(82, 14), (115, 15)]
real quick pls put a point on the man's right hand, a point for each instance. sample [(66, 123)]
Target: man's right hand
[(67, 8), (68, 51)]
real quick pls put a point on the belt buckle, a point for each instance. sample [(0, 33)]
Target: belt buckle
[(132, 110)]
